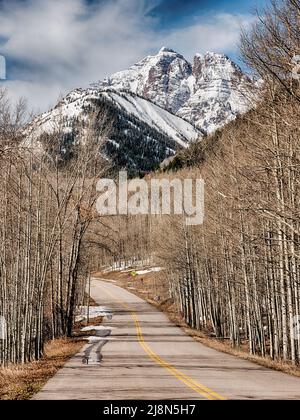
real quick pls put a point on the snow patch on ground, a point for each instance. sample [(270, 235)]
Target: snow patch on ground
[(93, 339), (94, 312), (127, 268), (149, 270), (101, 333), (97, 328)]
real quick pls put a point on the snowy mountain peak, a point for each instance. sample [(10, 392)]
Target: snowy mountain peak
[(216, 61), (167, 50), (159, 104), (208, 93), (160, 78), (216, 66), (213, 55)]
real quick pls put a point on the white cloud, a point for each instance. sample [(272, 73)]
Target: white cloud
[(63, 44), (219, 34), (40, 95)]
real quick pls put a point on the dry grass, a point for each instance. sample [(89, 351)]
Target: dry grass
[(21, 382), (225, 347), (152, 285)]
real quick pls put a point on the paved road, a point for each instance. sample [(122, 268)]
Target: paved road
[(140, 354)]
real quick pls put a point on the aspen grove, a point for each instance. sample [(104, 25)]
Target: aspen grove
[(46, 203), (237, 276)]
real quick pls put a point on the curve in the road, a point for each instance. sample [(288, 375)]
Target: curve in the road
[(199, 388), (147, 357)]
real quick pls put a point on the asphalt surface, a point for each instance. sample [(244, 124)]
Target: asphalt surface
[(139, 354)]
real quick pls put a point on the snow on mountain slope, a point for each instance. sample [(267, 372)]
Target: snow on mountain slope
[(142, 134), (176, 128), (72, 106), (209, 93)]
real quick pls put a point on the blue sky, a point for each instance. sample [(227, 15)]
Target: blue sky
[(52, 46), (182, 12)]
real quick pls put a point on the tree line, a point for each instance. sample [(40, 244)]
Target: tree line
[(46, 206)]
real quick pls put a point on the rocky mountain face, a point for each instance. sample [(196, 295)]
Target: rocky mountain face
[(208, 93), (156, 107), (162, 78)]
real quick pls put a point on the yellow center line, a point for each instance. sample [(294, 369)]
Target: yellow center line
[(188, 381)]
